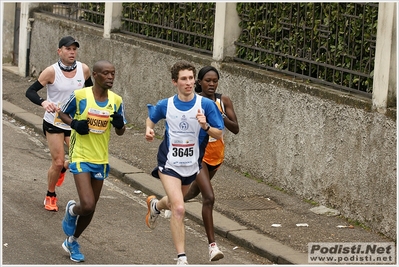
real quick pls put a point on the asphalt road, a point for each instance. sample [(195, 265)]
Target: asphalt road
[(117, 235)]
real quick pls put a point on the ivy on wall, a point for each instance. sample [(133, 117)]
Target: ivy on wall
[(329, 42), (93, 12), (334, 42), (191, 24)]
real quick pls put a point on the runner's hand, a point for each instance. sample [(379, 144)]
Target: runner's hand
[(82, 127), (117, 120)]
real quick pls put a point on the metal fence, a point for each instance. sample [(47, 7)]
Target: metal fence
[(327, 43), (186, 25), (89, 13)]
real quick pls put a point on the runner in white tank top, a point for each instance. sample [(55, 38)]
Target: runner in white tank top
[(183, 150), (61, 79), (60, 90), (189, 120)]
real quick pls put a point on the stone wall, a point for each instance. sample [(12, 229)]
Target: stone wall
[(318, 143), (8, 32)]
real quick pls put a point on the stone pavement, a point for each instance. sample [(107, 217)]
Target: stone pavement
[(270, 222)]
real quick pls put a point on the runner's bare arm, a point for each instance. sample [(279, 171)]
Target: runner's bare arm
[(230, 121)]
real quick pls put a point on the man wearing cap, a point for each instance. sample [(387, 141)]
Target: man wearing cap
[(61, 79)]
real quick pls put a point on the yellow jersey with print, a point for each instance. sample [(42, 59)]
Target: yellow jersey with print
[(93, 147)]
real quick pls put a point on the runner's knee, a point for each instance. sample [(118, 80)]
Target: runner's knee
[(208, 199)]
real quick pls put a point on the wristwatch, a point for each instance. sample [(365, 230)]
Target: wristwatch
[(208, 127)]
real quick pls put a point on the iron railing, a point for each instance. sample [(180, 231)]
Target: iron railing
[(89, 13), (327, 43), (185, 25)]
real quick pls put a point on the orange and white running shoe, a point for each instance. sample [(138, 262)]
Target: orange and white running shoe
[(152, 214), (50, 203), (60, 179)]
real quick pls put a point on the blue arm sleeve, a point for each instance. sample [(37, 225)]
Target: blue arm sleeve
[(157, 112)]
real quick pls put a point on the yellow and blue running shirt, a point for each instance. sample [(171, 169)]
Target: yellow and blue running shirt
[(92, 147)]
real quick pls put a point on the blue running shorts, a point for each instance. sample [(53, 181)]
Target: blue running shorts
[(97, 171), (184, 180)]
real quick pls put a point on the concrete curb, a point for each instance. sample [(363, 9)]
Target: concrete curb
[(241, 235)]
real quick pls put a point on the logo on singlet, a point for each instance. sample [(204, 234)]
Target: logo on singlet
[(183, 124)]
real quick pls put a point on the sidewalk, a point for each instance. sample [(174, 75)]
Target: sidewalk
[(246, 211)]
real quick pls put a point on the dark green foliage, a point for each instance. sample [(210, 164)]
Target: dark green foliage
[(190, 24), (93, 12), (333, 42)]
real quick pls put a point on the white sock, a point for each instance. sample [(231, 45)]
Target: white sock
[(72, 238), (70, 210)]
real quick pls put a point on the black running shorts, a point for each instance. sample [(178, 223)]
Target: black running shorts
[(49, 128)]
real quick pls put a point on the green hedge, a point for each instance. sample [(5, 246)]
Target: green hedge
[(326, 41), (333, 42), (183, 23)]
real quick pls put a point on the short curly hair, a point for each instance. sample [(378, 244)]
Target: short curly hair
[(181, 65)]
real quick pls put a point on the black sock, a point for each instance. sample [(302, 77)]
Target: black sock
[(63, 170), (51, 194)]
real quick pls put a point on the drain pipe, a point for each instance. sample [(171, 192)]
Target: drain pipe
[(29, 28)]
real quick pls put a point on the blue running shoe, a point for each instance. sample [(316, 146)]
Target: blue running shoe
[(73, 250), (69, 221)]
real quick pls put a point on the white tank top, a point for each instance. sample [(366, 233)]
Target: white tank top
[(183, 134), (60, 91)]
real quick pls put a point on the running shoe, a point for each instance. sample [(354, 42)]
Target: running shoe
[(69, 221), (73, 250), (152, 214), (50, 203), (182, 261), (60, 179), (214, 252)]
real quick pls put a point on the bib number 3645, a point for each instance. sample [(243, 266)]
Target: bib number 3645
[(183, 152)]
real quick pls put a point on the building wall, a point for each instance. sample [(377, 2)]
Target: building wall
[(8, 32), (313, 141)]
